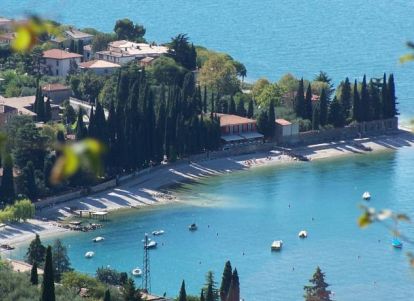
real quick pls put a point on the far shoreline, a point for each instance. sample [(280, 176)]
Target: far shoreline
[(157, 188)]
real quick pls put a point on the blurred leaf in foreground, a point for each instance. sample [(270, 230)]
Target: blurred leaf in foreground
[(28, 33), (85, 154)]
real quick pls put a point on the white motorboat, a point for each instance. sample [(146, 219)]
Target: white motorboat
[(89, 254), (151, 244), (158, 232), (366, 196), (98, 239), (303, 234), (277, 245), (192, 227), (137, 272)]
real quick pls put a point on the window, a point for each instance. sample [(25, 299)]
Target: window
[(57, 72), (57, 63)]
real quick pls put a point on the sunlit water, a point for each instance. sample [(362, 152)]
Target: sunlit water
[(241, 214), (272, 37)]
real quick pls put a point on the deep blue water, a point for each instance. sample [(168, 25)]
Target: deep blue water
[(244, 212), (272, 37)]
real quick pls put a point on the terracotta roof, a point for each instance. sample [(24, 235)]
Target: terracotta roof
[(227, 119), (8, 36), (98, 64), (55, 87), (283, 122), (58, 54), (22, 104), (147, 59)]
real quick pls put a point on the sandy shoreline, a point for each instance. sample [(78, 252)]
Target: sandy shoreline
[(152, 188)]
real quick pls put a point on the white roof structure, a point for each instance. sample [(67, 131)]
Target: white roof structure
[(98, 64), (251, 135), (138, 50)]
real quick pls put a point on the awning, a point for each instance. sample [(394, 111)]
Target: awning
[(230, 138), (251, 135)]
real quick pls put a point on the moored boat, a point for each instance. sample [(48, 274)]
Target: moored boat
[(158, 232), (396, 243), (89, 254), (366, 196), (137, 272), (303, 234), (192, 227), (150, 244), (277, 245), (98, 239)]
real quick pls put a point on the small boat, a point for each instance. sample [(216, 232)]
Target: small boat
[(277, 245), (137, 272), (303, 234), (150, 245), (192, 227), (158, 232), (7, 247), (396, 243), (366, 196), (98, 239), (89, 254)]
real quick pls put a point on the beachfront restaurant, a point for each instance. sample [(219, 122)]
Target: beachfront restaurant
[(237, 130)]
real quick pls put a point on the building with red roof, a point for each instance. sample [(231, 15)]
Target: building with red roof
[(58, 62)]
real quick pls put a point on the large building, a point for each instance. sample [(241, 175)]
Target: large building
[(99, 67), (58, 93), (77, 35), (238, 130), (122, 52), (58, 62)]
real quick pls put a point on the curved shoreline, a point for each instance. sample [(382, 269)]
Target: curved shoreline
[(154, 188)]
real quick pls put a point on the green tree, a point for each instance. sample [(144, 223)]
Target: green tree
[(107, 296), (365, 101), (324, 78), (225, 281), (212, 293), (323, 108), (48, 286), (392, 99), (234, 290), (240, 109), (202, 295), (183, 52), (61, 263), (336, 116), (34, 279), (69, 114), (271, 126), (36, 251), (269, 93), (183, 295), (357, 107), (300, 105), (384, 97), (7, 192), (317, 290), (250, 109), (346, 97), (125, 29), (262, 123), (101, 40), (29, 186), (232, 106), (165, 70), (129, 292), (316, 117), (308, 103), (29, 145), (375, 100), (48, 111), (80, 127)]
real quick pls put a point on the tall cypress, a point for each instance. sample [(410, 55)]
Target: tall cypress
[(7, 192), (375, 100), (365, 101), (240, 110), (384, 97), (336, 116), (316, 117), (205, 100), (346, 97), (392, 99), (308, 103), (250, 109), (48, 286), (29, 181), (300, 107), (202, 295), (225, 281), (107, 296), (80, 127), (34, 279), (271, 123), (323, 108), (48, 110), (234, 290), (356, 108), (232, 106), (183, 294)]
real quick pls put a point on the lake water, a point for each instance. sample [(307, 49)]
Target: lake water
[(271, 37), (243, 212)]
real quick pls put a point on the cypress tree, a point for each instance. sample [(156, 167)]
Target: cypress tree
[(316, 118), (41, 108), (107, 296), (375, 101), (392, 100), (225, 109), (48, 286), (365, 101), (7, 192), (225, 281), (34, 279), (80, 127), (250, 110), (29, 181), (356, 108), (202, 295), (346, 97), (300, 107), (234, 290), (323, 108), (232, 106), (308, 103), (212, 293), (240, 110), (271, 126), (317, 290), (336, 116), (183, 294), (384, 97), (92, 126), (205, 100), (48, 111), (212, 103)]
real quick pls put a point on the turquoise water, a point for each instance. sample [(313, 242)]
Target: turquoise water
[(243, 212), (272, 37)]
